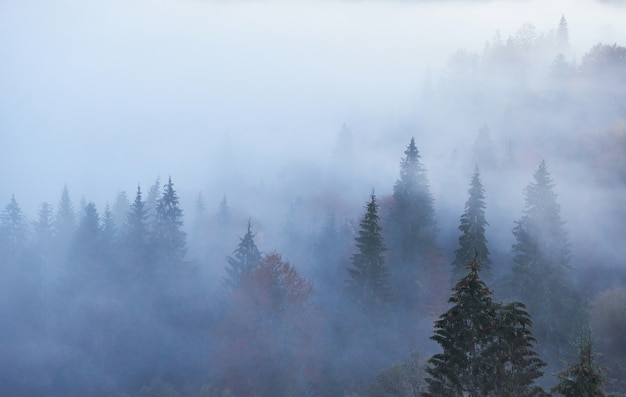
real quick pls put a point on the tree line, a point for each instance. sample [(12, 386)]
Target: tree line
[(120, 308)]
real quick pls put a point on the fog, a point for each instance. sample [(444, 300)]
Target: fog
[(295, 110), (108, 94)]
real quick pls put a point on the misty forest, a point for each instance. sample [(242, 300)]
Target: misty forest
[(234, 199)]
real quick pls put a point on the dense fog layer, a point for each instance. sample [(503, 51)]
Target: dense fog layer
[(282, 119)]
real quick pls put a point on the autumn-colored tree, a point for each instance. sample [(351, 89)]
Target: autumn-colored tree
[(268, 333)]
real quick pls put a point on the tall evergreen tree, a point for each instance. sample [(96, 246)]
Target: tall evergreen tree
[(487, 346), (472, 242), (168, 236), (369, 283), (152, 200), (410, 234), (464, 332), (65, 219), (87, 237), (541, 275), (412, 213), (136, 233), (562, 36), (121, 208), (583, 379), (13, 228), (43, 229), (513, 364), (246, 257)]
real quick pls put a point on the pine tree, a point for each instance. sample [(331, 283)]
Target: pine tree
[(121, 208), (152, 200), (369, 283), (472, 242), (541, 275), (136, 233), (13, 228), (463, 332), (43, 228), (412, 214), (65, 219), (514, 365), (487, 346), (246, 257), (87, 237), (410, 232), (583, 379), (168, 236), (562, 36)]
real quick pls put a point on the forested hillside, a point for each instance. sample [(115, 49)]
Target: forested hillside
[(472, 248)]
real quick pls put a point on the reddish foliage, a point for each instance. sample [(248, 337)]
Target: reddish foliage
[(268, 339)]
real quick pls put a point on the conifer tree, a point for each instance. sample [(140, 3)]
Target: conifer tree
[(472, 242), (410, 233), (43, 228), (152, 200), (412, 212), (87, 237), (136, 232), (464, 332), (541, 275), (487, 346), (369, 283), (65, 219), (246, 257), (562, 36), (514, 365), (109, 228), (13, 227), (168, 236), (583, 379), (120, 210)]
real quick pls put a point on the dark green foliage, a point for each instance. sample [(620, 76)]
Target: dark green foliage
[(472, 242), (168, 236), (515, 366), (583, 379), (487, 346), (246, 257), (464, 332), (369, 285)]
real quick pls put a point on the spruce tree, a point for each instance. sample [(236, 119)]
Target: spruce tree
[(65, 219), (464, 332), (541, 274), (410, 232), (513, 364), (246, 257), (412, 213), (369, 283), (585, 378), (487, 347), (86, 244), (472, 242), (13, 228), (136, 233), (43, 228), (168, 236)]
